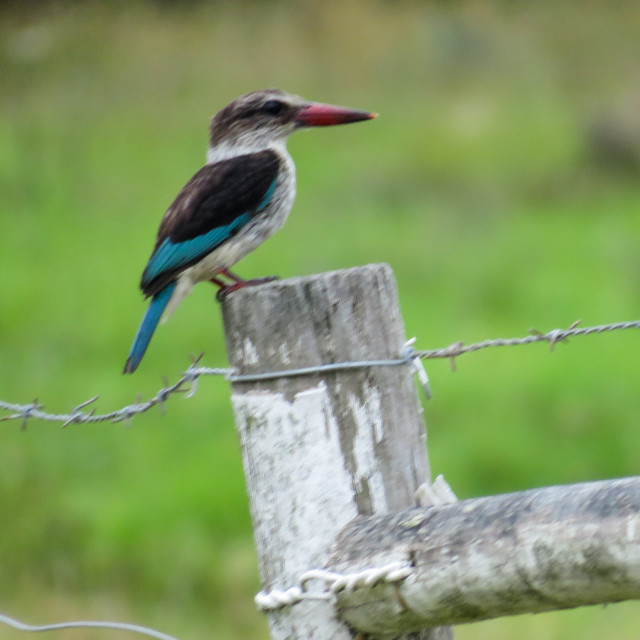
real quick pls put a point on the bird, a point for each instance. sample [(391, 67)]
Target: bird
[(238, 199)]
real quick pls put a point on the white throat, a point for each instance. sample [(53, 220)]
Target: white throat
[(226, 150)]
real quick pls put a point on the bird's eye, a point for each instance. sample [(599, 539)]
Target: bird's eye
[(273, 107)]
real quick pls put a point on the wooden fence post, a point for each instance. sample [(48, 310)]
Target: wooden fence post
[(322, 448)]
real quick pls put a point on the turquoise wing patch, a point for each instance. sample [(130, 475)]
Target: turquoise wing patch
[(171, 256)]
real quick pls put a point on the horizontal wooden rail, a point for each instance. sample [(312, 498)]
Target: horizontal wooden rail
[(539, 550)]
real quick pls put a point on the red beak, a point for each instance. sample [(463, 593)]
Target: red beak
[(324, 115)]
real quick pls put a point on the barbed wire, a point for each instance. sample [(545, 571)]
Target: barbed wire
[(188, 383), (553, 337), (77, 416)]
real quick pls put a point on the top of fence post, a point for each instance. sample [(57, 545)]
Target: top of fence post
[(324, 447)]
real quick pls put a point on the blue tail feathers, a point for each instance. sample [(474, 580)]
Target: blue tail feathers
[(147, 327)]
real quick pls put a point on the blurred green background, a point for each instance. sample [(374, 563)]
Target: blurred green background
[(501, 182)]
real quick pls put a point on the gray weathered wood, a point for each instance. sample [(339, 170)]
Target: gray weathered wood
[(538, 550), (320, 449)]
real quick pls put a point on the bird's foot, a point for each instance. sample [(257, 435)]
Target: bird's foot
[(236, 278), (263, 280), (238, 283)]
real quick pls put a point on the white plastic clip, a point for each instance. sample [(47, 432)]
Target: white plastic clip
[(418, 368)]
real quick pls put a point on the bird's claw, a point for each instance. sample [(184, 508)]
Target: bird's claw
[(264, 280), (223, 292)]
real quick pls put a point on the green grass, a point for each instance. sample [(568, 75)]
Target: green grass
[(475, 184)]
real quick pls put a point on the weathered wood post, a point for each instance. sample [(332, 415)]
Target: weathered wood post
[(322, 448)]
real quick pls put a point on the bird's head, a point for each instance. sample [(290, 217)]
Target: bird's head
[(265, 118)]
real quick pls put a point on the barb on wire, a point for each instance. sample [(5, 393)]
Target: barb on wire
[(189, 381)]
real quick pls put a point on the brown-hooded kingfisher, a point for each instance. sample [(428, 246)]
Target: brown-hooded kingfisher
[(241, 197)]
